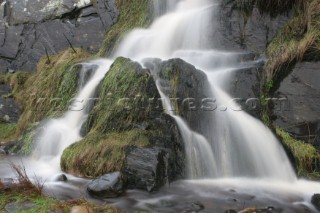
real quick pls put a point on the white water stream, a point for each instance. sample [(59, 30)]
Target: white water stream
[(239, 146)]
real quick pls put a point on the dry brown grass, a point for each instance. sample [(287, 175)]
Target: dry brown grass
[(24, 182), (299, 37)]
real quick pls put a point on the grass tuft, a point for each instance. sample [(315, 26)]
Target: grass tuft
[(307, 157)]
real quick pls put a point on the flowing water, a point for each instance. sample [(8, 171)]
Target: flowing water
[(236, 152)]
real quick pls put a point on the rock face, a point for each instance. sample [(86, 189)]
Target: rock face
[(31, 29), (315, 200), (107, 186), (9, 109), (249, 30), (299, 111)]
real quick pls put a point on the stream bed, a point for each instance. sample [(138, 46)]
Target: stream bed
[(214, 195)]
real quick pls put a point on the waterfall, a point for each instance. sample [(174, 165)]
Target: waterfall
[(238, 145), (57, 134)]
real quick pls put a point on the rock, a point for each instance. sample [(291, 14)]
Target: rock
[(315, 200), (61, 178), (20, 206), (298, 112), (9, 109), (186, 87), (135, 137), (239, 31), (3, 151), (194, 207), (106, 186), (33, 28), (81, 209), (146, 168)]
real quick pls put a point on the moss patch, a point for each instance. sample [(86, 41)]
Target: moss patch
[(7, 131), (45, 204), (301, 36), (98, 154), (48, 91), (132, 14), (307, 157)]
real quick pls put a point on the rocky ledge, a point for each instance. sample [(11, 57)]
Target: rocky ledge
[(32, 29)]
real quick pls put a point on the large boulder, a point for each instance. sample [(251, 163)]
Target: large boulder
[(299, 111), (31, 29), (128, 131)]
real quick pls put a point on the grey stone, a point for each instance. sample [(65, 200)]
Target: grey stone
[(238, 32), (33, 28), (19, 206), (299, 112), (315, 200), (146, 168), (106, 186)]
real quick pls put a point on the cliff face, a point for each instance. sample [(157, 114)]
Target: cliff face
[(31, 29), (285, 34)]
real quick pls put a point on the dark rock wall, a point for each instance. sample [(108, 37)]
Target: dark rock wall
[(31, 29), (299, 113), (237, 30)]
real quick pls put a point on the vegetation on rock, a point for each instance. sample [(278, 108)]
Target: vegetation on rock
[(123, 116), (132, 14), (306, 156)]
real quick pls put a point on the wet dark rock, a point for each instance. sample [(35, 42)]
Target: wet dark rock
[(297, 110), (194, 207), (239, 31), (20, 206), (3, 151), (146, 168), (61, 178), (315, 200), (107, 186), (245, 88), (187, 88), (9, 109), (33, 28), (151, 154)]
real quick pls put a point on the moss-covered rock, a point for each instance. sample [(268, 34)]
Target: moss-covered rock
[(127, 117), (48, 91), (306, 156), (132, 14), (187, 88)]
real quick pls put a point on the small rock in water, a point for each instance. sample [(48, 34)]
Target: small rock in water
[(19, 206), (315, 200), (61, 178), (81, 209), (106, 186)]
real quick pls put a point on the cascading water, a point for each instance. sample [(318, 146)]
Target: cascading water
[(235, 146), (239, 145), (58, 134)]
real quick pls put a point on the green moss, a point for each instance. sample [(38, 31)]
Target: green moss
[(132, 14), (126, 97), (7, 130), (45, 204), (48, 91), (98, 153), (296, 39), (307, 157), (124, 115)]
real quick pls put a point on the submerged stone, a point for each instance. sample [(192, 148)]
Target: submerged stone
[(315, 200), (106, 186)]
